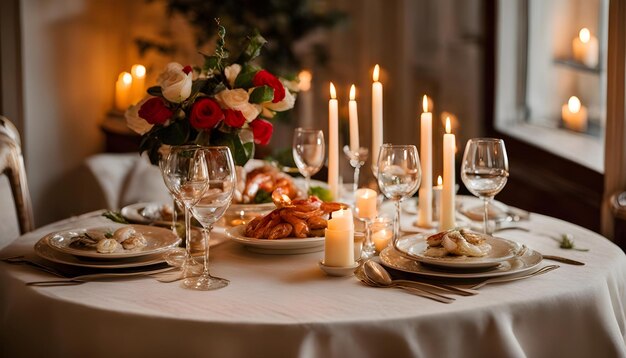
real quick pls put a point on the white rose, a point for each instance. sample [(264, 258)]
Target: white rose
[(237, 99), (175, 83), (287, 103), (232, 72), (134, 122)]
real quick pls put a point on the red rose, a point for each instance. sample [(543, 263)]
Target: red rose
[(264, 78), (205, 114), (234, 118), (262, 131), (154, 111), (187, 69)]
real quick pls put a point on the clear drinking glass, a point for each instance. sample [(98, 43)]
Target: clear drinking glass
[(211, 207), (308, 152), (399, 176), (485, 170), (185, 173)]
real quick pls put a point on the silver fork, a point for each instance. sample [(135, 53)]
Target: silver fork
[(541, 271)]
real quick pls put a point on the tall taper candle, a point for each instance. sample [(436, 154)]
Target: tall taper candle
[(137, 88), (354, 121), (425, 212), (377, 115), (122, 91), (447, 219), (333, 143)]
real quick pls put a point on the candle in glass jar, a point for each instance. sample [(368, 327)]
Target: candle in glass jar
[(381, 239), (585, 48), (333, 143), (354, 121), (137, 88), (574, 115), (365, 203), (425, 210), (377, 115), (122, 91), (447, 219), (339, 240)]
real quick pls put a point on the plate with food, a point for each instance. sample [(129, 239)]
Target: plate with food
[(527, 261), (149, 213), (460, 249), (295, 227), (113, 241)]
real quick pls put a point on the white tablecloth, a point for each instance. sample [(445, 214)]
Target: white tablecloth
[(284, 306)]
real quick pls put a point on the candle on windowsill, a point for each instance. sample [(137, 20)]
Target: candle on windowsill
[(339, 240), (425, 209), (574, 115), (585, 48), (122, 91)]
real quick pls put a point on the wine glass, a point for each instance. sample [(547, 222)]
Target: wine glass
[(185, 174), (211, 207), (308, 152), (485, 170), (399, 176)]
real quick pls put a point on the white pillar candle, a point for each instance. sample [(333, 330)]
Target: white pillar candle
[(339, 240), (354, 121), (447, 220), (381, 239), (377, 115), (333, 143), (585, 48), (425, 212), (365, 203), (305, 99), (574, 115), (122, 91), (137, 88), (437, 198)]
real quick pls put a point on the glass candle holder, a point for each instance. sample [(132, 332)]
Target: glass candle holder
[(382, 233)]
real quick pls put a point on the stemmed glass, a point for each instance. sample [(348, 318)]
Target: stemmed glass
[(185, 173), (308, 152), (485, 170), (399, 176), (211, 207)]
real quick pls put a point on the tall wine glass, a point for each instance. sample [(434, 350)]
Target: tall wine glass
[(211, 207), (308, 152), (185, 174), (399, 176), (485, 170)]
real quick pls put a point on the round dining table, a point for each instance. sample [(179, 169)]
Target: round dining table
[(285, 306)]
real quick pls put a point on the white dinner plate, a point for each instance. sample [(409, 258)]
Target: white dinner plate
[(45, 251), (517, 265), (158, 240), (284, 246), (146, 213), (413, 247)]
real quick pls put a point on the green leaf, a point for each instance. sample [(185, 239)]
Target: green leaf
[(155, 91), (114, 216), (245, 77), (253, 47), (241, 152), (262, 94), (197, 86), (210, 63), (176, 133), (322, 193), (262, 197)]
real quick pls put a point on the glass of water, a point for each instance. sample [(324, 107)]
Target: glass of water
[(485, 170)]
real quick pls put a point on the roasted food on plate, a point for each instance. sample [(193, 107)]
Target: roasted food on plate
[(257, 186), (458, 243), (296, 218)]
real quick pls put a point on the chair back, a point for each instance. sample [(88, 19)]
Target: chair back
[(12, 167)]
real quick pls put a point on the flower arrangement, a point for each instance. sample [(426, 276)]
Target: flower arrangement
[(216, 104)]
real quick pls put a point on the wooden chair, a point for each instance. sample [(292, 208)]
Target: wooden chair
[(12, 168)]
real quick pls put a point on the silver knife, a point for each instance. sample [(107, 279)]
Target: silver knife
[(564, 260)]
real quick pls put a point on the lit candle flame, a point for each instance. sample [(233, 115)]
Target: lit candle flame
[(573, 104), (448, 130), (138, 71), (584, 35), (376, 73), (439, 181), (425, 103), (333, 91), (126, 78), (305, 78), (352, 93)]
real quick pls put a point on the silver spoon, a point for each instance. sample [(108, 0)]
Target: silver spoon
[(382, 276)]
